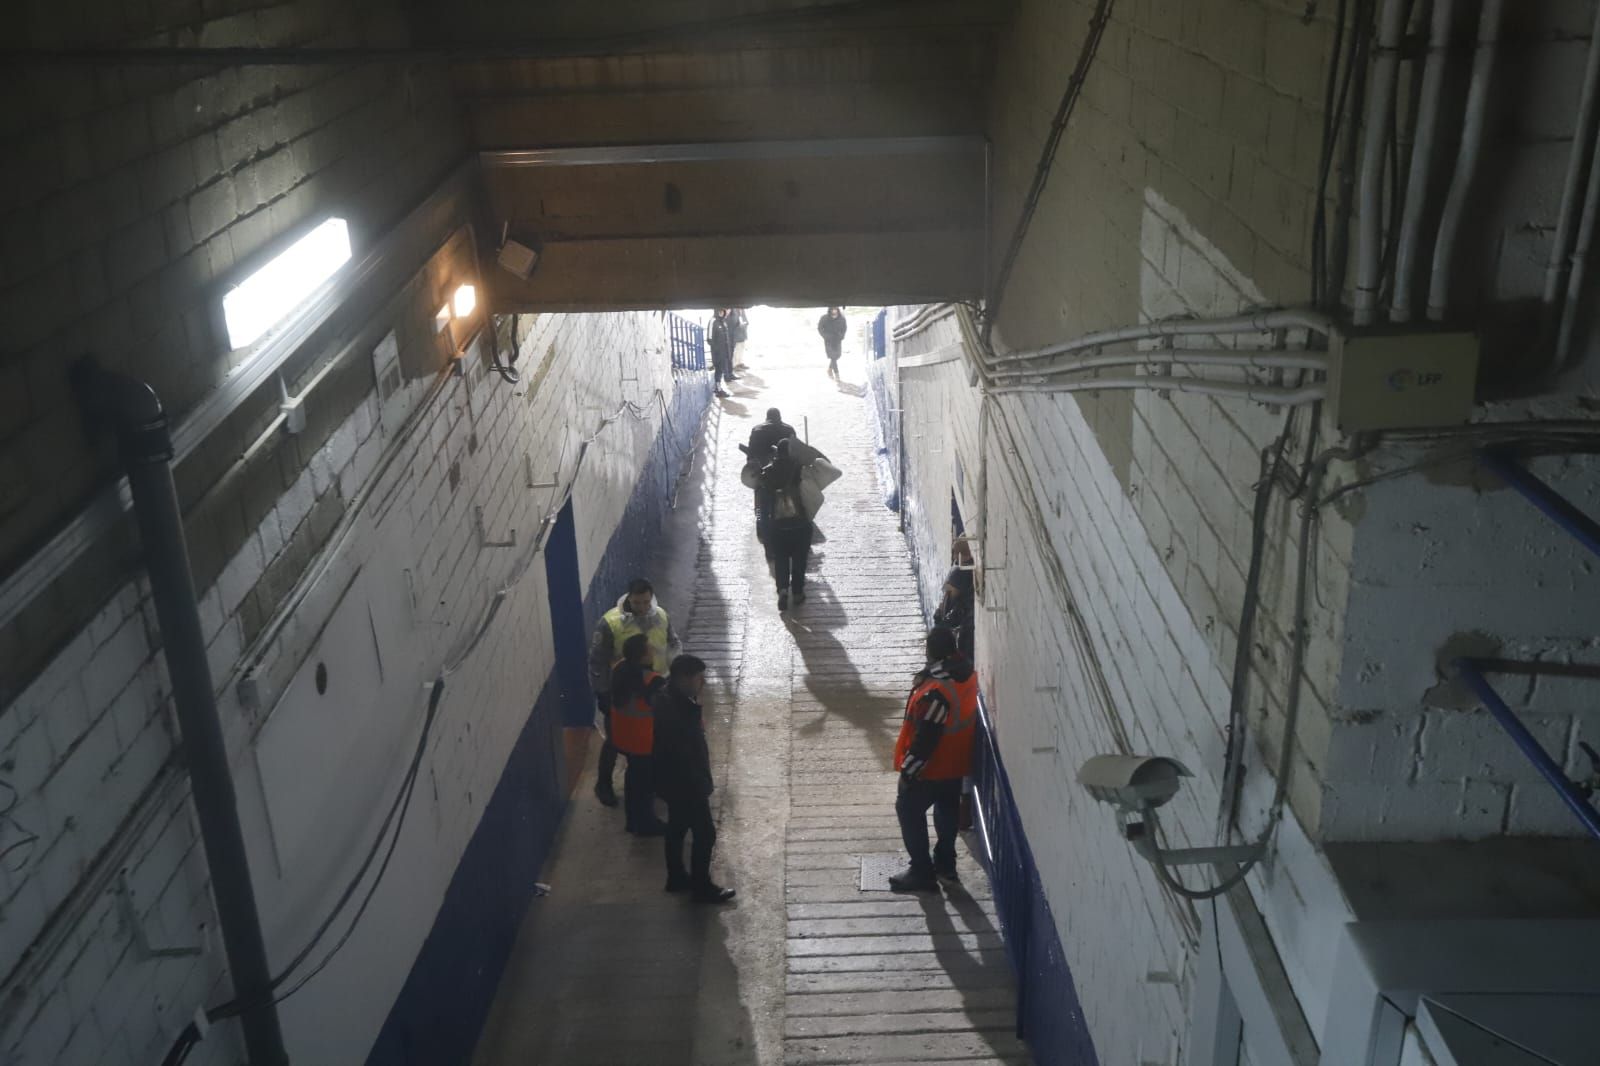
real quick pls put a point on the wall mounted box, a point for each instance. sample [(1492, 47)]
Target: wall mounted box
[(1401, 380)]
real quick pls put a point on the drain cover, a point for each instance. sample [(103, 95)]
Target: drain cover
[(877, 869)]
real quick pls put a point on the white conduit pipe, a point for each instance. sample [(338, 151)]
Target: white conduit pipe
[(1374, 134), (1583, 132), (1241, 360), (1580, 254), (1259, 322), (1261, 393), (1422, 159), (1455, 204)]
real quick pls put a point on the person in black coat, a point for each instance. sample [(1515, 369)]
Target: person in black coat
[(789, 527), (833, 326), (720, 340), (682, 762), (955, 609), (762, 447)]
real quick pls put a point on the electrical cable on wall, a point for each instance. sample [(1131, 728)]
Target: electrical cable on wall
[(192, 1034), (1047, 157)]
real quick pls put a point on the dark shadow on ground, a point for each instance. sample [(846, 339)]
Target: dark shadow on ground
[(979, 972)]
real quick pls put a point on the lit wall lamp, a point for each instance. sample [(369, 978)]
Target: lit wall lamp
[(456, 322)]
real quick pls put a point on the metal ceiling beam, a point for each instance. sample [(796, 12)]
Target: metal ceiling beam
[(732, 151)]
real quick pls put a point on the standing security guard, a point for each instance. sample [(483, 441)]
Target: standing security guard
[(635, 613), (933, 754)]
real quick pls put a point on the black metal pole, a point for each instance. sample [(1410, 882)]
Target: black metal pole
[(145, 446)]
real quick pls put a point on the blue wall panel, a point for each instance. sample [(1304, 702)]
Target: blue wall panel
[(441, 1009)]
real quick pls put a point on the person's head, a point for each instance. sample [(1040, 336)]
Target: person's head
[(722, 312), (961, 552), (774, 415), (834, 312), (640, 595), (636, 650), (687, 674), (941, 643)]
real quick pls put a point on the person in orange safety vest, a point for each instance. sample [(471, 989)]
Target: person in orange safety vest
[(633, 686), (933, 754)]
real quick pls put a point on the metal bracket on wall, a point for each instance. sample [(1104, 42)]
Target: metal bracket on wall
[(141, 942), (483, 536)]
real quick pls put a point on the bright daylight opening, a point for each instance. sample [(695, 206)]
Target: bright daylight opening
[(273, 293)]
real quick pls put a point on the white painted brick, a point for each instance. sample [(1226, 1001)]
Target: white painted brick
[(240, 574), (224, 650), (115, 663), (1471, 744)]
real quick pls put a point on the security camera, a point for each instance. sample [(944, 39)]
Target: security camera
[(1136, 785), (1132, 782)]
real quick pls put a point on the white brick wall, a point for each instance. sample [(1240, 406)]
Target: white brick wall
[(1168, 686), (86, 744)]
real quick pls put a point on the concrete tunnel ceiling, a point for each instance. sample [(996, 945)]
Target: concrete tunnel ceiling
[(695, 154)]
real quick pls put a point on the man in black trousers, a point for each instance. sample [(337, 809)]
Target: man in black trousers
[(683, 778)]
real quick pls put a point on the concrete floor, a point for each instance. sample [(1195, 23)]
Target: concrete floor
[(805, 967)]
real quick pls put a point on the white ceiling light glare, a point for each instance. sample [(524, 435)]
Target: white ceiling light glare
[(272, 294), (466, 300)]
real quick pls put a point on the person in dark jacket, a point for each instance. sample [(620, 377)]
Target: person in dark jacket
[(762, 447), (832, 326), (955, 609), (720, 339), (634, 685), (789, 527), (683, 778)]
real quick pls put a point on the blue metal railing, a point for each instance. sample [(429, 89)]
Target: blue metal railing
[(688, 343), (1471, 672), (1586, 531)]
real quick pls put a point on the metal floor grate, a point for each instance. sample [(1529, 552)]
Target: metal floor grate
[(877, 869)]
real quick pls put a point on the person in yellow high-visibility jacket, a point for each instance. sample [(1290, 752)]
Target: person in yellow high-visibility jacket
[(933, 754), (636, 612)]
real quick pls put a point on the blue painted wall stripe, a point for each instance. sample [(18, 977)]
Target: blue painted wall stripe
[(441, 1009)]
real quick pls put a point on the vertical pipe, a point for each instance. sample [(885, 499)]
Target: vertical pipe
[(1470, 673), (1422, 159), (1579, 263), (1455, 204), (1369, 243), (1583, 133), (145, 445)]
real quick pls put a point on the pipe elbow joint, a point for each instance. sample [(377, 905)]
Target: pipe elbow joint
[(130, 406)]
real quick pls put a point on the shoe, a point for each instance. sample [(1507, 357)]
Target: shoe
[(783, 601), (912, 879), (712, 894), (719, 392), (605, 794), (677, 884), (799, 597), (654, 829), (949, 875), (732, 377)]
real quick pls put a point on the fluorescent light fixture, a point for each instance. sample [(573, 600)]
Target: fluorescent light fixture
[(270, 295), (466, 300)]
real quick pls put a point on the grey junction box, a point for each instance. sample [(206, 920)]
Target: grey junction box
[(1394, 380)]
